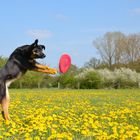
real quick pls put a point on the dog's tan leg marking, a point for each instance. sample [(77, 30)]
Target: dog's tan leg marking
[(45, 69), (5, 105), (39, 66)]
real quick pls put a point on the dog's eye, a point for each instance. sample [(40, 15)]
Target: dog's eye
[(35, 51)]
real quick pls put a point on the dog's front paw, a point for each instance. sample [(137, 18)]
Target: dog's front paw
[(52, 71)]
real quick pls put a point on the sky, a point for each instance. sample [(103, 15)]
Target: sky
[(64, 26)]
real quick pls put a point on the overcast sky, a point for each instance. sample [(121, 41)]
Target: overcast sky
[(64, 26)]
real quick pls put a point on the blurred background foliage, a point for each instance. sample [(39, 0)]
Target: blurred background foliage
[(117, 67)]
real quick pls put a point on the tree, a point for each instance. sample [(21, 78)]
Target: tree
[(92, 63), (2, 61), (108, 47), (131, 49)]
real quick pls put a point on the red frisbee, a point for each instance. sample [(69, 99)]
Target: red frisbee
[(64, 63)]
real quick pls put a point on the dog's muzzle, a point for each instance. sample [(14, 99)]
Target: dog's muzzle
[(43, 56)]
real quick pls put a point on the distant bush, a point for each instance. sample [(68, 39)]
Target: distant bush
[(120, 78), (104, 78), (67, 81), (108, 78), (29, 80), (89, 79)]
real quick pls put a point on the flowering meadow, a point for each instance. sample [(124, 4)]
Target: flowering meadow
[(43, 114)]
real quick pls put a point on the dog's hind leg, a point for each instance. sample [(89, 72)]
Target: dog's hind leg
[(5, 105)]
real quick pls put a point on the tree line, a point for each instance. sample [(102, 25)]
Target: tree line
[(117, 67), (117, 50)]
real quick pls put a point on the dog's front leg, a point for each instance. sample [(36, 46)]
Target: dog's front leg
[(44, 69)]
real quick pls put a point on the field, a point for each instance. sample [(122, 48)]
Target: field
[(72, 114)]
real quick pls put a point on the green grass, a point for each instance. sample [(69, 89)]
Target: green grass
[(73, 114)]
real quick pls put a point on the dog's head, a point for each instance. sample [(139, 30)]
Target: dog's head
[(29, 52), (37, 50)]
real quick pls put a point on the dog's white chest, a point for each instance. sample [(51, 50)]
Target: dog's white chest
[(8, 82)]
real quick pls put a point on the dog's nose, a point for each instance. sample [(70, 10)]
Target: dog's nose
[(43, 55)]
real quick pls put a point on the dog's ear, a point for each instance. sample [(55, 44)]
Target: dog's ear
[(35, 43), (43, 47)]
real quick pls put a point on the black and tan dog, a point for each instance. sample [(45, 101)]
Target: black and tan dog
[(21, 60)]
